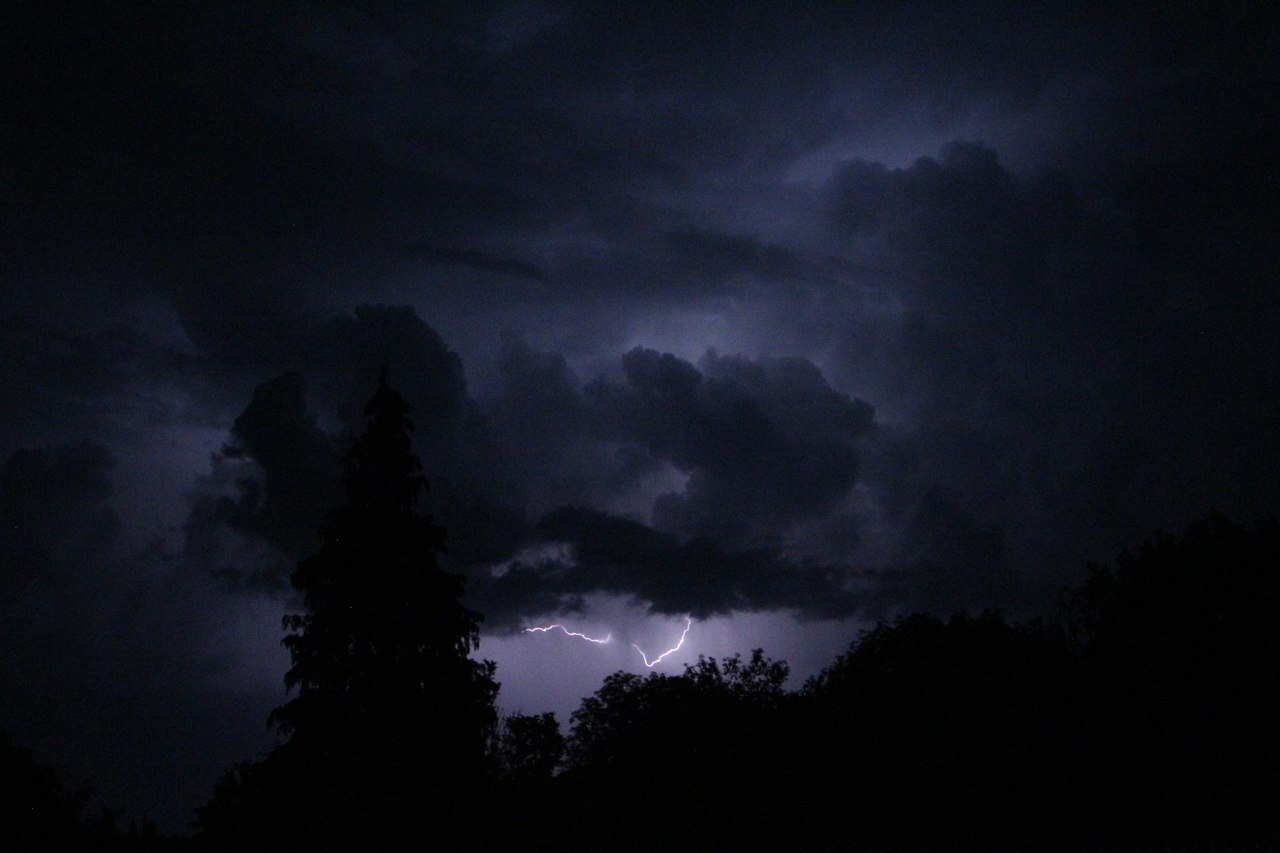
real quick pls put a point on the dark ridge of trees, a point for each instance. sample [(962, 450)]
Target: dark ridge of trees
[(36, 811), (39, 813), (692, 759), (946, 732), (1181, 645), (1142, 716)]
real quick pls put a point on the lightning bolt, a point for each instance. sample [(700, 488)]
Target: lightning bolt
[(688, 623), (544, 629)]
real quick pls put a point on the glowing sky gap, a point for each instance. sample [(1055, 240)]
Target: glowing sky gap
[(688, 623), (545, 628)]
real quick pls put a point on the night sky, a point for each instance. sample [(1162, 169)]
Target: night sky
[(781, 319)]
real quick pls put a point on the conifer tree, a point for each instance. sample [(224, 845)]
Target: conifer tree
[(389, 703)]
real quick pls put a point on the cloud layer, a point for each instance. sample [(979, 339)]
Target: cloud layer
[(830, 312)]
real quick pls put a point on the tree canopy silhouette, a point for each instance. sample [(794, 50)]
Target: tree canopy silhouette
[(38, 812), (385, 636), (1182, 647), (527, 748), (1145, 715), (391, 718), (707, 740)]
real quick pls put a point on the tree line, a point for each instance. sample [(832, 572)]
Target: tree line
[(1140, 714)]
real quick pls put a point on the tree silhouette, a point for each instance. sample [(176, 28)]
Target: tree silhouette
[(708, 740), (1148, 721), (957, 730), (391, 719), (1182, 648), (385, 631), (38, 812), (528, 748)]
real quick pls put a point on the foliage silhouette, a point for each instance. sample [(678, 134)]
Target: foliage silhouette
[(1143, 717), (1182, 646), (388, 730), (527, 748), (525, 752), (950, 726), (38, 812), (655, 756)]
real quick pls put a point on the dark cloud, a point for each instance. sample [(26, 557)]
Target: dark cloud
[(106, 652), (159, 168), (761, 445), (272, 483), (748, 472), (298, 462), (584, 551), (539, 418), (707, 254), (109, 378), (429, 374), (479, 260), (54, 513), (1042, 338), (947, 559), (755, 449), (550, 213)]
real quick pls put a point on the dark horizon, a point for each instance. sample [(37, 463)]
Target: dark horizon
[(747, 328)]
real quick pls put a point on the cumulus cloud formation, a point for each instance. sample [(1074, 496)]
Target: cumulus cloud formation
[(760, 446), (715, 307), (1043, 339), (756, 447), (761, 443), (257, 510), (593, 552)]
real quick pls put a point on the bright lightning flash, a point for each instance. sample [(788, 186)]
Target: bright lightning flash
[(688, 623), (544, 629)]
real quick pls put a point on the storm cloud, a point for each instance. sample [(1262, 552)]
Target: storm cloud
[(733, 311), (748, 450)]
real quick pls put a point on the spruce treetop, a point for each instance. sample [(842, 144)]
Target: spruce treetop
[(385, 635)]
